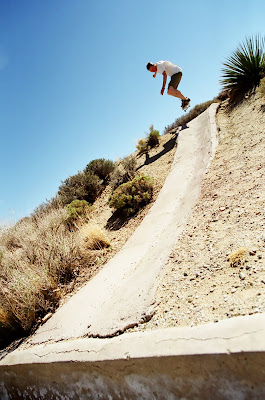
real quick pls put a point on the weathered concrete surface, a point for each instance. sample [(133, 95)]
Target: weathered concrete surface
[(123, 293), (216, 361)]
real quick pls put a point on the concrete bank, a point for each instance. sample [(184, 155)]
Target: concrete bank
[(122, 294), (221, 361)]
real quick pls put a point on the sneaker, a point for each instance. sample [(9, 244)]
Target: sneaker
[(185, 104)]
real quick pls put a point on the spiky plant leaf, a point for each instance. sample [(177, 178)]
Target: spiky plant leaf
[(244, 69)]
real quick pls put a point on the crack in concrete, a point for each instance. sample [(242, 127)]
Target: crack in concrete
[(211, 338)]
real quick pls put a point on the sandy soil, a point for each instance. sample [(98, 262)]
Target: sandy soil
[(198, 284)]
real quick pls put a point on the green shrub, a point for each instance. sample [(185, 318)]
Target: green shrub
[(153, 138), (78, 210), (82, 186), (244, 69), (151, 141), (101, 167), (132, 196)]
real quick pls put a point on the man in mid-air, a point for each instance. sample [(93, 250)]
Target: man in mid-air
[(166, 68)]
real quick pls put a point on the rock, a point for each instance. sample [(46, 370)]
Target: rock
[(242, 275), (233, 290)]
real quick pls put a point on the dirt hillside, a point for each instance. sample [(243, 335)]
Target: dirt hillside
[(199, 284)]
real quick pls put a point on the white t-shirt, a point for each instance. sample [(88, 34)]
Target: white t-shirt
[(168, 67)]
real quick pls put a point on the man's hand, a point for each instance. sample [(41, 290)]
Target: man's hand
[(164, 82), (154, 74)]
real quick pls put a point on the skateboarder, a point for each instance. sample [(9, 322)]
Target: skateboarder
[(167, 68)]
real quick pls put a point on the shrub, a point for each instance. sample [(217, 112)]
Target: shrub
[(133, 195), (124, 171), (91, 237), (244, 69), (38, 254), (153, 138), (151, 141), (142, 146), (78, 211), (82, 186), (195, 112), (101, 167), (46, 207), (261, 88)]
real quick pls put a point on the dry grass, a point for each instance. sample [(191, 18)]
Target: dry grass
[(37, 255), (238, 257), (193, 113), (261, 88), (92, 238)]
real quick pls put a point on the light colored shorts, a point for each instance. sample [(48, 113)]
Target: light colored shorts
[(175, 79)]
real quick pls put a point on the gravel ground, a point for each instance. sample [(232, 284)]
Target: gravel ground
[(199, 285)]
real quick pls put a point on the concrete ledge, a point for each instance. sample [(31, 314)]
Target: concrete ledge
[(225, 360)]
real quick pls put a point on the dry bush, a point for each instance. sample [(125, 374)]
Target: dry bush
[(91, 237), (238, 257), (37, 255), (124, 171), (194, 112), (261, 88), (142, 146)]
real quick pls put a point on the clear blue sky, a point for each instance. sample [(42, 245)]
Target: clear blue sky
[(74, 86)]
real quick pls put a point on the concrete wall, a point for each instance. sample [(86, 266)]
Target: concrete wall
[(236, 376), (215, 361)]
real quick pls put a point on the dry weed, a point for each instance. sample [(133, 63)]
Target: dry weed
[(261, 88), (37, 254), (238, 257), (91, 237)]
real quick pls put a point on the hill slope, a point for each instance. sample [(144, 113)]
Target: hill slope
[(199, 285)]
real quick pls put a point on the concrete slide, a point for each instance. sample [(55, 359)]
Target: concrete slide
[(122, 294)]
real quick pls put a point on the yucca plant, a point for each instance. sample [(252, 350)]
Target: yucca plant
[(244, 69)]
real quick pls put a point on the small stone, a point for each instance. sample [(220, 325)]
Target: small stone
[(242, 275), (185, 274), (233, 290)]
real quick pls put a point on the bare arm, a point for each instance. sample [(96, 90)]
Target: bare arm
[(164, 82)]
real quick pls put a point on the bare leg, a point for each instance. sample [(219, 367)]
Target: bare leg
[(176, 93)]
